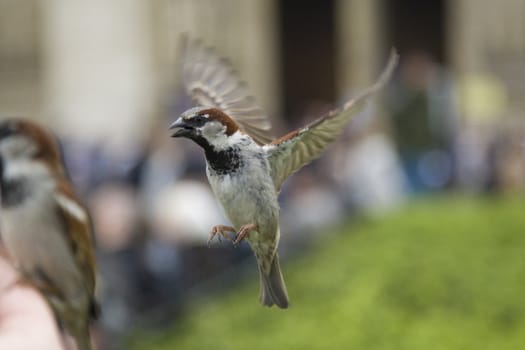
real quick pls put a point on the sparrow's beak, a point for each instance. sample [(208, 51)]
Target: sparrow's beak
[(183, 129)]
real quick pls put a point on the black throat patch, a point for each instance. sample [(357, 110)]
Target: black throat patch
[(13, 191), (224, 162)]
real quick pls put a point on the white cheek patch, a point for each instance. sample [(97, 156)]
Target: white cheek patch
[(212, 130), (215, 133), (24, 168), (17, 147)]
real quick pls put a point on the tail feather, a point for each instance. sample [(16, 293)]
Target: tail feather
[(83, 339), (79, 330), (273, 289)]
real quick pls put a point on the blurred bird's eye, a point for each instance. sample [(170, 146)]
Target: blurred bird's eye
[(8, 129)]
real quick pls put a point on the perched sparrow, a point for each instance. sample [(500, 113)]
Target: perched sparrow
[(244, 167), (44, 228)]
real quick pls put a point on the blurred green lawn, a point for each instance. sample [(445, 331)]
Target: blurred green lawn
[(440, 273)]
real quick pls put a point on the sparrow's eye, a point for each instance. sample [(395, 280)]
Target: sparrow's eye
[(199, 120), (7, 129)]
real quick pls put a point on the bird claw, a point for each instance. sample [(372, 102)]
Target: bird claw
[(238, 239), (243, 232), (221, 230)]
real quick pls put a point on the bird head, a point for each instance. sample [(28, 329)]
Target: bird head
[(22, 141), (208, 127)]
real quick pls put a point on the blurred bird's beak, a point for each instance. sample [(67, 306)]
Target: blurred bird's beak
[(183, 129)]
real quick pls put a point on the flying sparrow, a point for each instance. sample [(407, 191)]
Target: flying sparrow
[(45, 229), (245, 168)]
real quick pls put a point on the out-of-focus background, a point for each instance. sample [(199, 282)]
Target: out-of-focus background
[(407, 234)]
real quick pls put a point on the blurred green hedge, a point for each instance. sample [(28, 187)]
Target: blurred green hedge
[(439, 273)]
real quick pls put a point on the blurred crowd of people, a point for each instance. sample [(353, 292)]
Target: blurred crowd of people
[(152, 207)]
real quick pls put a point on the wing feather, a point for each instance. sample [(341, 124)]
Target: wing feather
[(211, 81), (294, 150), (78, 227)]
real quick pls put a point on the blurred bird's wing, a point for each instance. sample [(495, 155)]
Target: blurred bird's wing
[(77, 227), (211, 81), (294, 150)]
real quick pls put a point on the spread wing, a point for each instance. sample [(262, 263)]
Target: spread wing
[(78, 227), (211, 81), (294, 150)]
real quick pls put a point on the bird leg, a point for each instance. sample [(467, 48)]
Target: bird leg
[(221, 229), (243, 232)]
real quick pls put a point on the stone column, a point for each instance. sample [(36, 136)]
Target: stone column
[(99, 84), (358, 43), (20, 69)]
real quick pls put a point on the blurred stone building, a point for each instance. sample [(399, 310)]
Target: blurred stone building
[(106, 70)]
